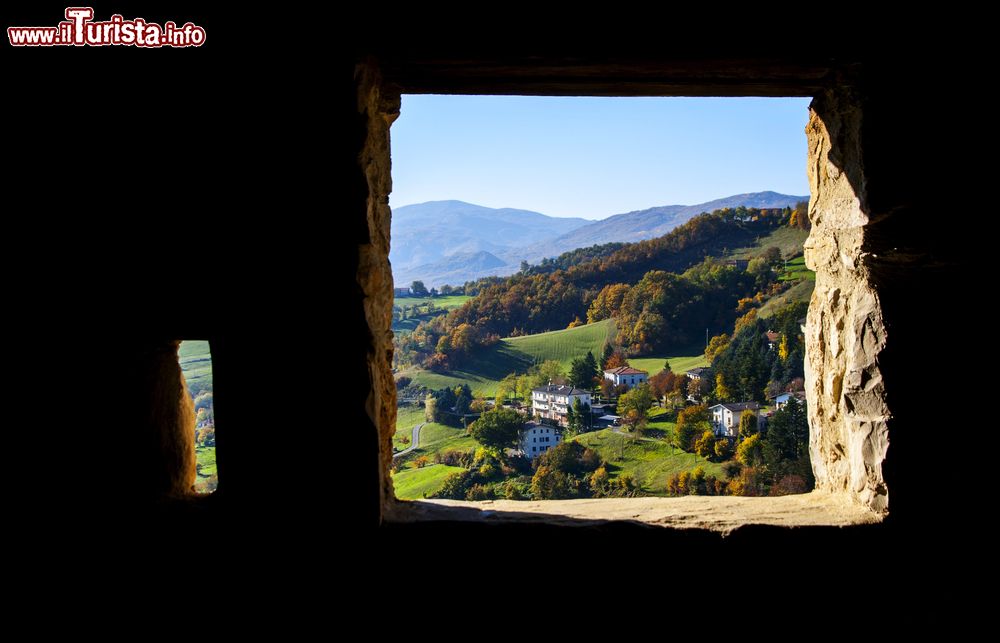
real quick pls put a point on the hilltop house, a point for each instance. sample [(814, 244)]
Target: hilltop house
[(537, 439), (726, 417), (553, 401), (780, 401), (626, 375), (698, 373)]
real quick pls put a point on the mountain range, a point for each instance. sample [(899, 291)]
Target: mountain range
[(451, 242)]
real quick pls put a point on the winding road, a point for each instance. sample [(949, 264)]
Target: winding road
[(414, 441)]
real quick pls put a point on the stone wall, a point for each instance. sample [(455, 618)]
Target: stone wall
[(845, 331), (378, 110)]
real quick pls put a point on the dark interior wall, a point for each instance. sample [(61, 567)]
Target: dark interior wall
[(278, 200)]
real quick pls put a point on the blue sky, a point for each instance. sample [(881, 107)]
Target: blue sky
[(594, 157)]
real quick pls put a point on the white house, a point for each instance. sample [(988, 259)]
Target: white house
[(626, 375), (780, 401), (553, 402), (698, 373), (726, 417), (537, 439)]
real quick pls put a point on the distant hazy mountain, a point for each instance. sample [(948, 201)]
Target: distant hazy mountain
[(451, 242), (453, 269), (439, 235), (648, 224)]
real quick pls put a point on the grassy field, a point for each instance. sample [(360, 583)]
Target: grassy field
[(442, 304), (788, 240), (517, 355), (649, 461), (196, 364), (435, 438), (801, 291), (795, 270), (413, 484), (678, 363), (449, 302), (407, 417), (205, 457)]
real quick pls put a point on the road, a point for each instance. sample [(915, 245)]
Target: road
[(414, 441)]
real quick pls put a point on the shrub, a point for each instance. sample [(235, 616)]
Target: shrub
[(790, 484), (421, 462), (705, 445), (479, 492), (454, 486)]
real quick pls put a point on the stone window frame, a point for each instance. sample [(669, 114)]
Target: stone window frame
[(845, 329)]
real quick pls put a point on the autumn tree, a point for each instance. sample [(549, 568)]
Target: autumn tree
[(499, 428), (430, 408), (750, 451), (783, 348), (723, 448), (721, 390), (607, 303), (705, 445), (660, 383), (715, 346), (616, 360), (634, 405)]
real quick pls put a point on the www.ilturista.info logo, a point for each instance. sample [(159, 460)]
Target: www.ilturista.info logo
[(79, 29)]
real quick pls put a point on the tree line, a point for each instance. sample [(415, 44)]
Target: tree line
[(679, 291)]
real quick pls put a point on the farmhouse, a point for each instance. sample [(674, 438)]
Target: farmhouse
[(537, 439), (726, 417), (401, 292), (780, 401), (553, 401), (772, 339), (626, 375), (698, 373)]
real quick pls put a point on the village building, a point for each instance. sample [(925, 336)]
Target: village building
[(536, 439), (626, 375), (726, 417), (553, 402)]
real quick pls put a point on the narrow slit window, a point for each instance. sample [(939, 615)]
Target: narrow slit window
[(196, 365)]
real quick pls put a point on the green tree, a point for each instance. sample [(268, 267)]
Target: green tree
[(691, 422), (787, 435), (506, 388), (551, 371), (595, 370), (572, 421), (748, 425), (634, 405), (583, 414), (418, 289), (581, 373), (499, 428)]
